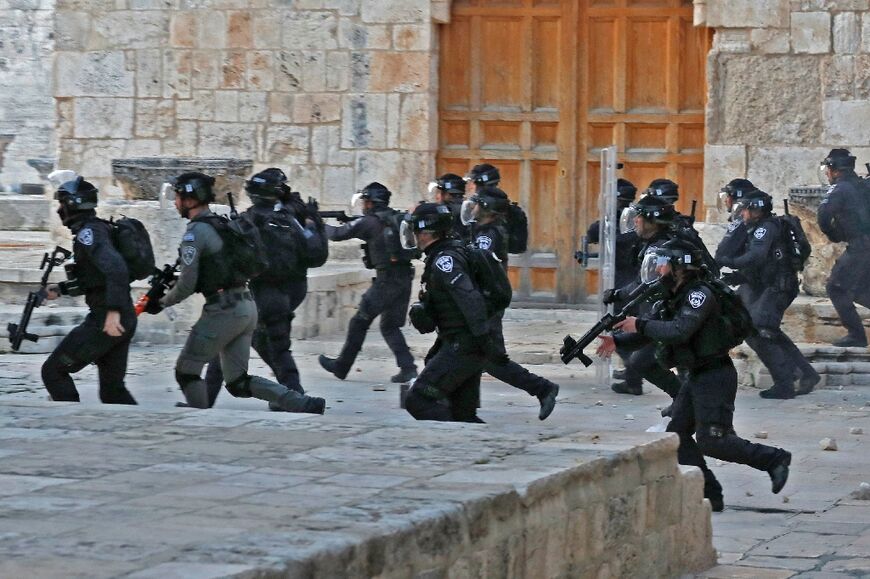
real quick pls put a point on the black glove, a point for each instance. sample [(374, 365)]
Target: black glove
[(610, 296), (733, 278), (312, 207), (420, 319), (153, 306)]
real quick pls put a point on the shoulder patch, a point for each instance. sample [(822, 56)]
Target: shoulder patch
[(484, 242), (760, 233), (697, 299), (444, 263), (189, 236), (732, 225), (86, 236), (188, 254)]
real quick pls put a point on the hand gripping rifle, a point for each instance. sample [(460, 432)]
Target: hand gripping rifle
[(18, 332), (231, 202), (339, 215), (161, 281), (572, 348)]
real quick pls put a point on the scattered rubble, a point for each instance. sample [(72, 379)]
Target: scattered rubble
[(828, 444), (862, 493), (761, 434), (856, 430)]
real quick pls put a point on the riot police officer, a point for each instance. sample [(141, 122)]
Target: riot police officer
[(844, 216), (689, 330), (735, 235), (451, 303), (101, 274), (229, 316), (486, 212), (770, 286), (651, 218), (449, 189), (390, 292)]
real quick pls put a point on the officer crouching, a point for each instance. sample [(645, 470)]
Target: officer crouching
[(229, 316), (691, 333), (450, 303)]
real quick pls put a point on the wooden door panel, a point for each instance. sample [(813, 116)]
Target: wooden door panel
[(646, 63), (501, 66), (693, 45), (545, 184), (602, 54), (453, 72), (546, 80)]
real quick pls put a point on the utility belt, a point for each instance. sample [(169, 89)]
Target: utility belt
[(228, 297), (397, 270), (710, 364)]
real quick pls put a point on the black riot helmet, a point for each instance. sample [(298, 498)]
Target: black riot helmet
[(653, 209), (77, 198), (487, 202), (449, 183), (756, 200), (733, 193), (625, 190), (376, 193), (679, 253), (195, 185), (664, 189), (484, 175), (839, 159), (434, 217), (269, 185)]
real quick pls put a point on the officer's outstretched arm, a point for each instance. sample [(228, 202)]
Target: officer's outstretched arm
[(356, 229), (696, 308)]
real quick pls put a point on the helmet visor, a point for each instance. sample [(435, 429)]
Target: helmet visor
[(823, 175), (724, 202), (649, 268), (357, 204), (167, 192), (626, 219), (406, 235), (468, 212), (432, 188)]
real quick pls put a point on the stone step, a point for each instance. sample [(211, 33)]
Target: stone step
[(24, 212)]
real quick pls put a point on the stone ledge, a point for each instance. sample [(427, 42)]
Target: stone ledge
[(322, 497)]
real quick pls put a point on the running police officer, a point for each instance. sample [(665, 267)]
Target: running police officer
[(229, 315), (651, 217), (101, 274), (844, 216), (451, 304), (771, 285), (486, 211), (449, 189), (735, 234), (689, 329), (390, 292)]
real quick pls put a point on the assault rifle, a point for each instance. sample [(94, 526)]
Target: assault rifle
[(161, 281), (18, 332), (233, 213), (339, 215), (692, 214), (583, 256), (572, 348)]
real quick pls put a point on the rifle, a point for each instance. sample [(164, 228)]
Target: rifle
[(339, 215), (572, 348), (233, 213), (161, 280), (583, 256), (692, 214), (18, 332)]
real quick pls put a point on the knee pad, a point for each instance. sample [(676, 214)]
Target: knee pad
[(361, 317), (240, 387), (422, 407), (710, 436), (185, 379), (768, 334)]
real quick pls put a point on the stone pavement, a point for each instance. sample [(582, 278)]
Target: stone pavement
[(812, 529)]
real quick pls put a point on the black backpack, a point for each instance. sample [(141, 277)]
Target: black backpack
[(392, 220), (682, 229), (795, 243), (517, 229), (736, 322), (243, 244), (132, 241), (489, 277), (316, 245), (285, 244)]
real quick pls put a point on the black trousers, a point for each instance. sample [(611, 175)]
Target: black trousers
[(767, 306), (642, 364), (276, 304), (705, 408), (388, 297), (850, 284), (501, 367), (88, 344), (447, 389)]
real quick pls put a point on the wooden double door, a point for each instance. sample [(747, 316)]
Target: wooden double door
[(538, 87)]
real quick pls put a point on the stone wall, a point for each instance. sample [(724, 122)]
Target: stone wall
[(336, 92), (26, 106), (788, 81)]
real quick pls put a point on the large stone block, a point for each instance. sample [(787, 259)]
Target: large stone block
[(337, 71), (103, 118), (358, 36), (286, 144), (267, 30), (865, 32), (776, 169), (390, 12), (148, 73), (747, 13), (130, 29), (722, 163), (754, 110), (862, 76), (260, 74), (206, 73), (304, 30), (811, 32), (226, 140), (300, 71), (829, 5), (98, 74), (177, 67), (200, 107), (326, 147), (363, 121), (71, 31), (846, 122), (399, 72), (770, 40), (154, 117), (838, 77), (338, 185), (413, 37), (847, 33), (316, 108), (382, 166), (417, 128), (252, 107)]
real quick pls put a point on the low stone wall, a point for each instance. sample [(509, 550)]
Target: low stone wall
[(24, 213), (321, 498)]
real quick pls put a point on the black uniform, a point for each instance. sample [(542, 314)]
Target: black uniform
[(493, 237), (460, 230), (688, 329), (102, 275), (447, 389), (844, 217), (388, 296), (771, 286), (627, 245), (733, 241)]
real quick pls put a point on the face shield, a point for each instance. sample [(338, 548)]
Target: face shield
[(433, 189), (406, 235), (167, 195), (649, 268), (724, 202), (468, 212), (823, 175), (357, 204), (626, 219)]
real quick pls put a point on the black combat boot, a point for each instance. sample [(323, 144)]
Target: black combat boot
[(779, 472), (405, 375), (779, 391), (626, 388), (548, 401), (807, 383), (334, 367), (850, 341)]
